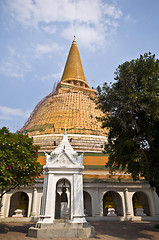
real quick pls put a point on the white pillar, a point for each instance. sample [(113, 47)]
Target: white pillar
[(34, 206), (156, 202), (95, 203), (78, 209), (42, 210), (127, 203), (3, 206), (101, 195), (48, 200)]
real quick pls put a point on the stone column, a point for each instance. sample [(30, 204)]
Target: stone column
[(156, 202), (2, 208), (34, 206), (101, 195), (48, 200), (77, 201), (127, 203), (96, 203)]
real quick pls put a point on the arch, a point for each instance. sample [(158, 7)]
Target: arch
[(87, 203), (142, 201), (116, 199), (58, 204), (19, 200)]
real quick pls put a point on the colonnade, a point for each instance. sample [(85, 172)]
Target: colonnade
[(94, 195)]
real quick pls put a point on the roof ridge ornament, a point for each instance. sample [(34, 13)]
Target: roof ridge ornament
[(65, 133)]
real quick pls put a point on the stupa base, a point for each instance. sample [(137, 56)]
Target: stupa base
[(62, 230)]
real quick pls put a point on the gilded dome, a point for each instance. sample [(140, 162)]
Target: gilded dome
[(71, 103), (74, 109)]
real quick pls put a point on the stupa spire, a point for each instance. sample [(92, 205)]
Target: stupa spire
[(73, 72)]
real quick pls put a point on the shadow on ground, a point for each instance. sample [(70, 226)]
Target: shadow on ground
[(126, 230), (105, 230), (15, 227)]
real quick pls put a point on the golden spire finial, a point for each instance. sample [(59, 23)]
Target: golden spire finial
[(73, 70)]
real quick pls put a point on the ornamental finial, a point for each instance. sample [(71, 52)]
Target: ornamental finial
[(74, 39), (65, 130)]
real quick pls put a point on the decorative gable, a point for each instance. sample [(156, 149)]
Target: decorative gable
[(63, 160), (64, 156)]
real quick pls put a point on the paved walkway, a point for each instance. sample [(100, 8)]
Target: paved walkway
[(108, 230)]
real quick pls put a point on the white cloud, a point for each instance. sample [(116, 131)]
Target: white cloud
[(42, 49), (90, 40), (5, 117), (129, 18), (112, 11), (54, 11), (49, 29), (92, 19), (51, 77), (10, 68), (15, 65), (7, 113)]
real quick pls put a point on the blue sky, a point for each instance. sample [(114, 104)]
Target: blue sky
[(36, 36)]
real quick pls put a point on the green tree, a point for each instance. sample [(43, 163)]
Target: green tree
[(131, 113), (18, 161)]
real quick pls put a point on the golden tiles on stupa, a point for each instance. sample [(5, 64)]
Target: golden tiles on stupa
[(58, 110), (71, 104)]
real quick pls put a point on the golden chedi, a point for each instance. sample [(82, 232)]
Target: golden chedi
[(70, 103)]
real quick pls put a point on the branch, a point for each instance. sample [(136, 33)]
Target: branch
[(8, 190)]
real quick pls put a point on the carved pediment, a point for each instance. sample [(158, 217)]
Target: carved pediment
[(64, 155), (63, 160)]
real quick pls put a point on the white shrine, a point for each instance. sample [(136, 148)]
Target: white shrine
[(62, 208)]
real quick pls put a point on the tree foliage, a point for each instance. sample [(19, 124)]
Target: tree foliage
[(131, 107), (18, 161)]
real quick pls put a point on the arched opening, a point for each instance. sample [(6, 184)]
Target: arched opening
[(58, 206), (140, 204), (87, 203), (112, 200), (19, 200), (63, 199)]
